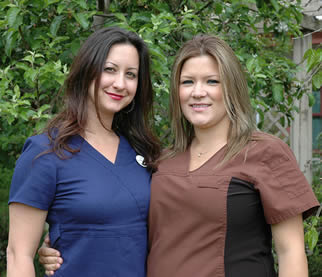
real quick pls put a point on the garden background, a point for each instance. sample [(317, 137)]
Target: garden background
[(39, 39)]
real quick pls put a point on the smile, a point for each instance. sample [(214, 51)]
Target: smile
[(114, 96), (200, 105)]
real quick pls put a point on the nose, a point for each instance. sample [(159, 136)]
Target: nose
[(198, 91), (119, 81)]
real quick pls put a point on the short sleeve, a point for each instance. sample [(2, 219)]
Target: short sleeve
[(34, 179), (283, 188)]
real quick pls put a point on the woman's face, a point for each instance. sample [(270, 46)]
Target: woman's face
[(119, 81), (200, 93)]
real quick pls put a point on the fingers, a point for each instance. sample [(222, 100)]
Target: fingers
[(50, 262), (49, 273), (51, 267), (46, 241), (44, 251)]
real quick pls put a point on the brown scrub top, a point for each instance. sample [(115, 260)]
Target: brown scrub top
[(215, 222)]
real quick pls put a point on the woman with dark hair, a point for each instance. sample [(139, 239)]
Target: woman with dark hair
[(223, 190), (88, 174)]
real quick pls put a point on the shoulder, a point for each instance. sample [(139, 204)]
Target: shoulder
[(263, 139), (268, 147), (34, 146), (37, 143)]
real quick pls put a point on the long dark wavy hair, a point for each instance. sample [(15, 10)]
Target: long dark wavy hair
[(88, 66)]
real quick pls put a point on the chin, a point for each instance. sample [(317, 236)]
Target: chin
[(200, 125)]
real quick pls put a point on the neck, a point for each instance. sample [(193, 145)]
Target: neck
[(209, 140), (212, 135), (95, 127)]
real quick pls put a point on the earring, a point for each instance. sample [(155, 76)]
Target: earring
[(131, 109)]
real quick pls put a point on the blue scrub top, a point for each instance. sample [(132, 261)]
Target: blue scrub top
[(97, 210)]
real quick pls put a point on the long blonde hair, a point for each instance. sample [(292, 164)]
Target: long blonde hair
[(235, 94)]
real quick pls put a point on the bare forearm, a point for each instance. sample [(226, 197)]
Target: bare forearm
[(19, 265), (292, 264)]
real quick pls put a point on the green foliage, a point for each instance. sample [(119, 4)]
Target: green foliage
[(313, 225), (313, 58), (165, 25), (6, 175)]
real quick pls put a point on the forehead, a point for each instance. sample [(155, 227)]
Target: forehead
[(200, 64), (123, 54)]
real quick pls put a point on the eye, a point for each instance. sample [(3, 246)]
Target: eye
[(132, 75), (213, 82), (186, 82), (109, 69)]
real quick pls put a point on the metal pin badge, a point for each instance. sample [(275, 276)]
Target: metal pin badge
[(140, 160)]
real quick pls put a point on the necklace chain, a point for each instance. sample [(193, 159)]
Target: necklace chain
[(201, 153)]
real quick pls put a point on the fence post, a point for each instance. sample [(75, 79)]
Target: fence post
[(301, 126)]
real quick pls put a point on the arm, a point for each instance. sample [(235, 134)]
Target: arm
[(289, 244), (49, 257), (26, 226)]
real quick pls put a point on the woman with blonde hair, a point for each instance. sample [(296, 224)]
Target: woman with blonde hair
[(224, 189)]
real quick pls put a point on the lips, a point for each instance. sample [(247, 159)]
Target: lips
[(114, 96), (200, 105)]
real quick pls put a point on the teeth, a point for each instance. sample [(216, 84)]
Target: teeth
[(200, 105)]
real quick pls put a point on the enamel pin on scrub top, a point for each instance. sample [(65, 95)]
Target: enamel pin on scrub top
[(140, 160)]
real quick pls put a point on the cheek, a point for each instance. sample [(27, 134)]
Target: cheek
[(182, 96), (218, 95), (133, 88)]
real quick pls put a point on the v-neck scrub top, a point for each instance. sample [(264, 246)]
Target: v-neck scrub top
[(215, 221), (97, 210)]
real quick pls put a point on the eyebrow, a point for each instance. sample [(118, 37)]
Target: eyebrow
[(131, 68), (191, 77)]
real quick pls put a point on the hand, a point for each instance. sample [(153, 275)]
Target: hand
[(49, 257)]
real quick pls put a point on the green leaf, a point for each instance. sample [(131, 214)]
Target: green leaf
[(61, 7), (82, 4), (260, 76), (50, 2), (259, 3), (277, 90), (22, 66), (81, 19), (157, 53), (42, 109), (58, 40), (312, 237), (218, 8), (29, 58), (308, 53), (54, 26), (12, 16), (275, 4), (10, 42), (317, 80), (17, 91), (250, 64), (120, 16)]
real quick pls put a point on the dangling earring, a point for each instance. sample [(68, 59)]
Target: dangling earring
[(132, 107)]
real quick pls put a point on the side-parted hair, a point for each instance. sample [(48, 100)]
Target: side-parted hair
[(87, 67), (234, 89)]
